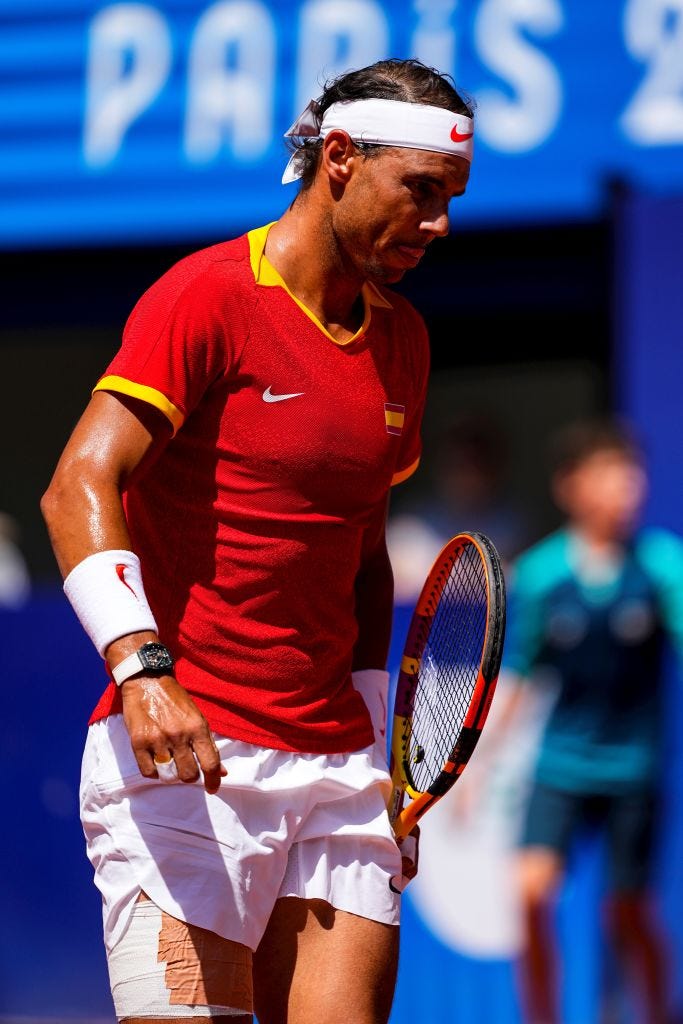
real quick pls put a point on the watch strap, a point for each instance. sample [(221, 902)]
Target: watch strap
[(151, 657), (130, 666)]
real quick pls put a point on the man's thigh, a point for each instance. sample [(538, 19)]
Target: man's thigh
[(552, 818), (165, 969), (318, 965), (631, 825)]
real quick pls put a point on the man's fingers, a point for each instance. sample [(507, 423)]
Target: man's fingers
[(167, 770), (398, 883), (409, 849), (209, 760), (169, 735), (410, 852), (409, 868), (145, 760), (186, 762)]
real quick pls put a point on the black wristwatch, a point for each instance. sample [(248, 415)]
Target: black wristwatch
[(151, 657)]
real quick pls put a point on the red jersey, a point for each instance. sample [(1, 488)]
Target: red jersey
[(250, 524)]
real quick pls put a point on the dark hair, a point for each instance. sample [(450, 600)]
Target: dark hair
[(407, 80), (580, 441)]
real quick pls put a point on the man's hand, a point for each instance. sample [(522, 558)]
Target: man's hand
[(410, 855), (164, 722)]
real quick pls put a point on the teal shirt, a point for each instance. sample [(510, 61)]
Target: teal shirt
[(603, 644)]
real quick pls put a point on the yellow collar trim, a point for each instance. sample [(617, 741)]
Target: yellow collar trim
[(266, 275)]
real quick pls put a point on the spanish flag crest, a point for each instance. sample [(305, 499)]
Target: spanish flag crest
[(394, 416)]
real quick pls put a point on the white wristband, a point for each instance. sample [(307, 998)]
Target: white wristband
[(373, 686), (106, 592)]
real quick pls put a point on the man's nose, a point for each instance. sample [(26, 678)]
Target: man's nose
[(437, 223)]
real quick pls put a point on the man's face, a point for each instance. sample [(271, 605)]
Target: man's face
[(394, 205), (605, 493)]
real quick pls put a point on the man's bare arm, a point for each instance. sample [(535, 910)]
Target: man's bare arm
[(115, 440)]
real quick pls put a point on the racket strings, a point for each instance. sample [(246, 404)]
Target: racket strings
[(449, 668)]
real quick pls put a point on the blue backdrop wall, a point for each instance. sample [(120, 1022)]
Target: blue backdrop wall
[(164, 120), (649, 318)]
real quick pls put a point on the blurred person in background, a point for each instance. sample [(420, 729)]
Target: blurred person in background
[(592, 608), (468, 491), (15, 583), (238, 455)]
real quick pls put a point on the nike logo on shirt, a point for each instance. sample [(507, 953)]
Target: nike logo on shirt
[(268, 396)]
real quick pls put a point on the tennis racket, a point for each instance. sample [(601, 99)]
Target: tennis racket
[(448, 676)]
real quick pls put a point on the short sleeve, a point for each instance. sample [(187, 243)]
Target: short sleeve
[(661, 554), (534, 576), (523, 633), (181, 336), (409, 420)]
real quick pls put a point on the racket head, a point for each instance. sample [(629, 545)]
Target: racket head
[(448, 675)]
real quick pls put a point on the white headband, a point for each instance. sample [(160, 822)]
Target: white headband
[(384, 123)]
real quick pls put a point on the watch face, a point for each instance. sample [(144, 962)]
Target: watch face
[(155, 656)]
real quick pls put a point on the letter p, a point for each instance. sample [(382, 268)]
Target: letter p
[(129, 58)]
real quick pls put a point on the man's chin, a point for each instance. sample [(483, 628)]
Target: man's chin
[(381, 274)]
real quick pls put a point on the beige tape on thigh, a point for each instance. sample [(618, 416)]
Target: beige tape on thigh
[(203, 968)]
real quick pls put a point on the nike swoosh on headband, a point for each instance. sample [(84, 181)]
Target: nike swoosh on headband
[(268, 396), (457, 137)]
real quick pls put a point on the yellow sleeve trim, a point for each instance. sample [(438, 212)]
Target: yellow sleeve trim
[(146, 394), (403, 474)]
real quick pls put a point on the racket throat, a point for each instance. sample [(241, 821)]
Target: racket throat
[(396, 803)]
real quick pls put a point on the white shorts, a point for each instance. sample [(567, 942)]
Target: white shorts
[(282, 824)]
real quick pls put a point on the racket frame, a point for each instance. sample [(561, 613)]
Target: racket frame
[(405, 818)]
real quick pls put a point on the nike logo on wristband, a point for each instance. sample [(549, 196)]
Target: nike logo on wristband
[(120, 571), (268, 396)]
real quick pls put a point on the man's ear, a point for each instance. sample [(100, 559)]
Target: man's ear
[(339, 156)]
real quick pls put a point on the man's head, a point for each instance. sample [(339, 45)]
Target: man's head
[(385, 202), (599, 478), (407, 81)]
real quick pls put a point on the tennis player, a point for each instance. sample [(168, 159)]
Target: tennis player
[(592, 607), (219, 517)]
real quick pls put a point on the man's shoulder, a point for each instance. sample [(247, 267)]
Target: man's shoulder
[(544, 565), (215, 263), (216, 281), (660, 552)]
